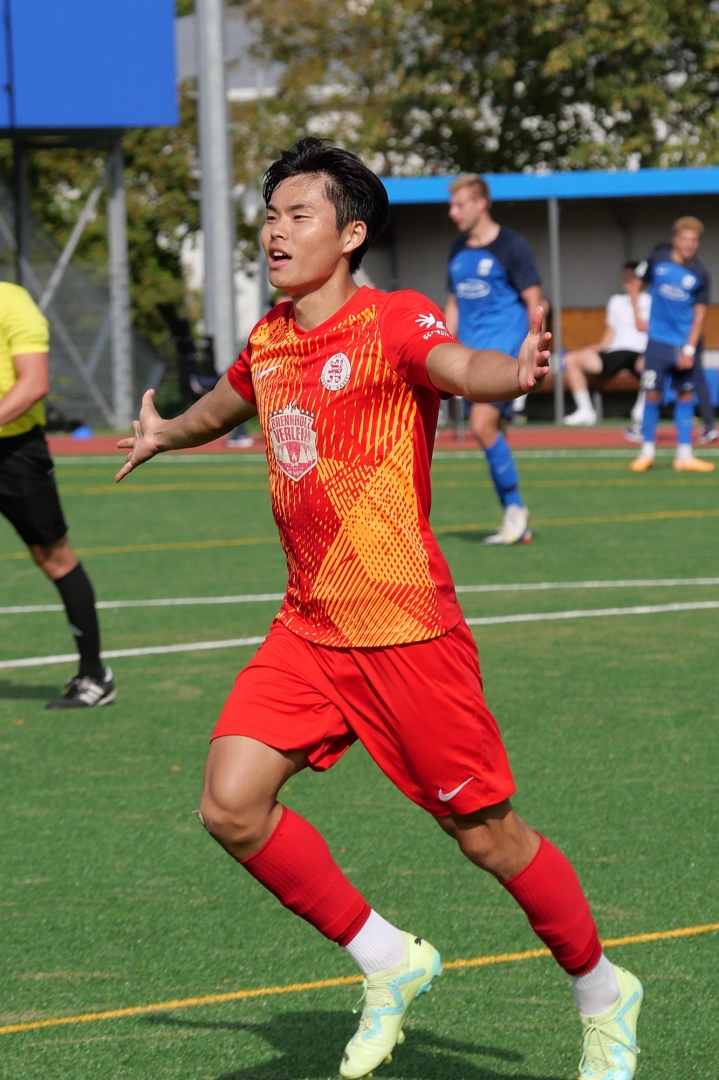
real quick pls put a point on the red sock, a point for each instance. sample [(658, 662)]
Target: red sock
[(549, 893), (296, 866)]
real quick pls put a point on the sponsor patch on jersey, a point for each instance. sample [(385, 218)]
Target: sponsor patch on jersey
[(433, 325), (672, 292), (336, 372), (294, 440), (474, 289), (484, 267)]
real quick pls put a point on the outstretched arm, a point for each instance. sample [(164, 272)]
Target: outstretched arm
[(213, 415), (489, 375)]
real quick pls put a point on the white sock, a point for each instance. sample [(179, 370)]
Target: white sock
[(684, 451), (598, 990), (638, 409), (378, 945), (648, 449), (582, 400)]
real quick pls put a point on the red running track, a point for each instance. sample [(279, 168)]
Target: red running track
[(531, 437)]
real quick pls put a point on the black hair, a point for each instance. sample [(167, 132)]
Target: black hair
[(631, 265), (353, 189)]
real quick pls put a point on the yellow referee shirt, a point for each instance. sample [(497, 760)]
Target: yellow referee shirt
[(23, 329)]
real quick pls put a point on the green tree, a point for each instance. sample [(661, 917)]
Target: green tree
[(437, 85)]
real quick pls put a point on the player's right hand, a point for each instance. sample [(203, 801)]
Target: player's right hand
[(143, 444)]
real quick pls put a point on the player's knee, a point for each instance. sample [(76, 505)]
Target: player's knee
[(654, 396), (484, 429), (235, 825), (479, 845)]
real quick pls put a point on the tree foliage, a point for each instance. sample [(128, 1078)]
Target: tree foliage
[(502, 84)]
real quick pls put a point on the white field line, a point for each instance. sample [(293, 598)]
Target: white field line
[(595, 613), (492, 620), (628, 583), (255, 598), (182, 601), (152, 650)]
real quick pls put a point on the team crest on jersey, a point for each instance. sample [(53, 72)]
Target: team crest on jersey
[(294, 440), (484, 267), (336, 372), (688, 281)]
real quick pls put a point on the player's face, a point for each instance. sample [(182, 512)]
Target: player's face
[(300, 238), (686, 243), (466, 207)]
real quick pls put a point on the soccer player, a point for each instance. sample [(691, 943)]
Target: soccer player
[(370, 642), (28, 496), (492, 285), (621, 347), (679, 285)]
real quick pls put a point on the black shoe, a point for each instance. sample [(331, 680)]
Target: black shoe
[(82, 692), (708, 435)]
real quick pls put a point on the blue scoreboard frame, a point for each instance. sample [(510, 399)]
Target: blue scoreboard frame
[(92, 64)]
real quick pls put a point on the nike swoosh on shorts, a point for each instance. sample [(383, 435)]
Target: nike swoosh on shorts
[(451, 794)]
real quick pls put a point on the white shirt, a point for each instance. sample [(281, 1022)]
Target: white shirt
[(620, 316)]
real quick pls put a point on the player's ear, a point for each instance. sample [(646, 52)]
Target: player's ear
[(355, 235)]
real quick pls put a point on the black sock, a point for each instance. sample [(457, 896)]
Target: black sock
[(79, 600)]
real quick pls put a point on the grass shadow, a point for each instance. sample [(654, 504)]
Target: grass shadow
[(15, 692), (307, 1045)]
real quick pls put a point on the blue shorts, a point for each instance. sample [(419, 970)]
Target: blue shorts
[(661, 360), (504, 408)]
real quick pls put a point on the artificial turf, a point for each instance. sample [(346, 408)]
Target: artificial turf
[(111, 894)]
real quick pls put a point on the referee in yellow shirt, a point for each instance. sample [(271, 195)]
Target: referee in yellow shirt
[(28, 496)]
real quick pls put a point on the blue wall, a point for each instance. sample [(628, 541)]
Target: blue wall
[(89, 63)]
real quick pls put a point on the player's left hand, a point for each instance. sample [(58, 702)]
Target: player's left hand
[(534, 353), (685, 361)]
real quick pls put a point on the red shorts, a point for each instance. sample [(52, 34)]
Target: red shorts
[(418, 709)]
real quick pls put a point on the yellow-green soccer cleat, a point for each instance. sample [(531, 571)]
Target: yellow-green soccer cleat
[(610, 1039), (388, 995)]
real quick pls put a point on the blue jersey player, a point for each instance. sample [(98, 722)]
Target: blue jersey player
[(679, 286), (492, 283)]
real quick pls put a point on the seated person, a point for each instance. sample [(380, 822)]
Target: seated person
[(622, 346)]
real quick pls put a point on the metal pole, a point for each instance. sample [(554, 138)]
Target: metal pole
[(122, 392), (21, 196), (556, 282), (215, 188)]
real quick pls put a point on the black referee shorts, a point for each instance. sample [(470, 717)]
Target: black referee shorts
[(28, 496), (618, 360)]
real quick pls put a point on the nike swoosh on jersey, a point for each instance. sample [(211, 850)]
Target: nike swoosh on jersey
[(261, 374), (451, 794)]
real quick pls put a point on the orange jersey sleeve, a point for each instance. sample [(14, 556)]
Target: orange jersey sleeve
[(349, 415)]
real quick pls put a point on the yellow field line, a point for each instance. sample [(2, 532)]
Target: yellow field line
[(658, 515), (140, 489), (249, 485), (186, 545), (322, 984), (179, 545)]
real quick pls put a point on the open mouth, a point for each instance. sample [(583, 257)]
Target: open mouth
[(277, 257)]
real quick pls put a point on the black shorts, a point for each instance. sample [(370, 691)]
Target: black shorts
[(618, 360), (28, 496)]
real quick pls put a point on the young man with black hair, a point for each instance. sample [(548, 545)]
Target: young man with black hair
[(347, 384), (28, 496)]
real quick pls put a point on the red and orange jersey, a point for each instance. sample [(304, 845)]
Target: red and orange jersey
[(349, 414)]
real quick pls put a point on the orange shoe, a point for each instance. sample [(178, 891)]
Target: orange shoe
[(693, 464), (641, 463)]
